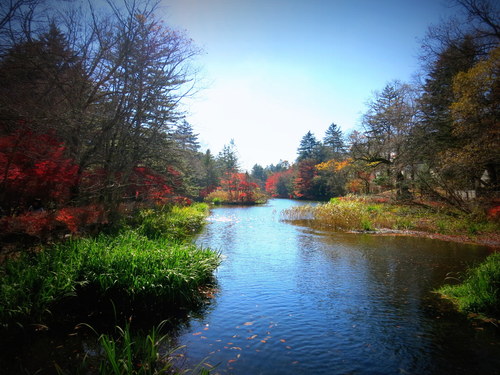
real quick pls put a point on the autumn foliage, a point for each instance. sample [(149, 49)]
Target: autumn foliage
[(236, 188), (145, 184), (280, 184), (43, 223), (34, 167), (38, 181)]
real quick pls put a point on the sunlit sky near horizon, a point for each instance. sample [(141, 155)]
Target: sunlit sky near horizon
[(274, 69)]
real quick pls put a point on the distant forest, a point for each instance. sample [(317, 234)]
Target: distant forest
[(92, 120)]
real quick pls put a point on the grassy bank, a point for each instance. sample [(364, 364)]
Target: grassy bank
[(136, 268), (149, 266), (371, 214), (479, 291)]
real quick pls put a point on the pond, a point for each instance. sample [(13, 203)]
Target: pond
[(292, 300)]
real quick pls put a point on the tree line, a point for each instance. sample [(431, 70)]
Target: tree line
[(438, 137), (92, 117)]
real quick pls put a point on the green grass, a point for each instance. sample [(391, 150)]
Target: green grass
[(140, 354), (172, 222), (479, 292), (124, 351), (135, 268)]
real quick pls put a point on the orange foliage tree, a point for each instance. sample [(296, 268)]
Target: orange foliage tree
[(280, 184)]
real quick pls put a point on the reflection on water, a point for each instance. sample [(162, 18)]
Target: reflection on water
[(295, 301)]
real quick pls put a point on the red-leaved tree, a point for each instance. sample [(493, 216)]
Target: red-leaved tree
[(34, 168), (280, 184), (145, 184), (304, 182), (239, 189)]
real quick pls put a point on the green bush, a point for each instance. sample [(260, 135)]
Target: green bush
[(480, 290)]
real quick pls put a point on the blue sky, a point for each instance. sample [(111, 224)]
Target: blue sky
[(273, 70)]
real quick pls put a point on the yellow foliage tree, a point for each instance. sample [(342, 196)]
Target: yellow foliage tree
[(476, 116)]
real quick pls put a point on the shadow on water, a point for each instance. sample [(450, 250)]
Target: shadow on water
[(69, 340), (296, 300)]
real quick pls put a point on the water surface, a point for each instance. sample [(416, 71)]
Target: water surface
[(292, 300)]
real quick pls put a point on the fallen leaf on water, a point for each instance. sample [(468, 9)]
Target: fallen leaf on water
[(197, 333), (264, 341), (283, 340), (288, 347), (205, 329), (236, 348), (203, 337), (230, 343), (251, 337), (232, 360), (248, 323)]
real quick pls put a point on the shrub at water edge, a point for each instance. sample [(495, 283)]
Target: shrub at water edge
[(480, 290)]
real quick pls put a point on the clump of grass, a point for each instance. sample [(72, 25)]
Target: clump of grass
[(129, 267), (172, 222), (124, 353), (338, 214), (402, 223), (132, 352), (480, 290), (218, 197), (367, 225), (30, 284), (365, 213), (135, 267)]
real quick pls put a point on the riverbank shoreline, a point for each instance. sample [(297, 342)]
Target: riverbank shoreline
[(380, 216), (491, 240)]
